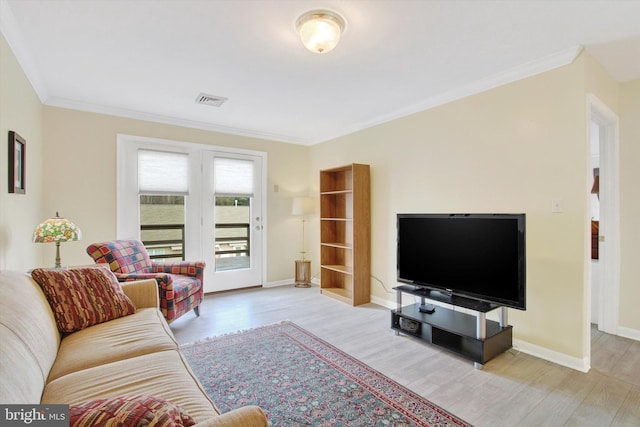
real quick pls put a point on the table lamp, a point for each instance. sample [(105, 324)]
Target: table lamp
[(302, 206), (57, 230)]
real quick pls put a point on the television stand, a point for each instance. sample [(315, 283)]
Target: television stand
[(472, 337)]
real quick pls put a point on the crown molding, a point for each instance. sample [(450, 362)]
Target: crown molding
[(14, 39), (520, 72), (158, 118)]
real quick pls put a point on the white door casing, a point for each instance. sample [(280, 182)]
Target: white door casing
[(198, 205), (609, 245)]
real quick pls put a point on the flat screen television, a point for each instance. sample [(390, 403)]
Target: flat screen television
[(477, 256)]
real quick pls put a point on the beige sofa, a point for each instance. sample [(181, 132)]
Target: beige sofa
[(132, 355)]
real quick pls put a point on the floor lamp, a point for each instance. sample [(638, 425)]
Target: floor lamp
[(302, 206)]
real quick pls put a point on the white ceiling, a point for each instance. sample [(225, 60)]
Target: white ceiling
[(150, 59)]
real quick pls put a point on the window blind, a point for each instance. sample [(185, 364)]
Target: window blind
[(232, 177), (163, 172)]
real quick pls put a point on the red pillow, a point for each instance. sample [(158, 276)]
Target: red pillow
[(82, 297), (128, 411)]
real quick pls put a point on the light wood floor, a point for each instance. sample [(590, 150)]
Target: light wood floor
[(514, 389)]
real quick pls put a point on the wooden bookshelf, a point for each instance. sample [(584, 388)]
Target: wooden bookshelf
[(345, 233)]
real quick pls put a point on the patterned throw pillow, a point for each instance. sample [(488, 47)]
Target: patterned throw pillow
[(82, 297), (128, 411)]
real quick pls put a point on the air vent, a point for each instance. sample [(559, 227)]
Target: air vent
[(212, 100)]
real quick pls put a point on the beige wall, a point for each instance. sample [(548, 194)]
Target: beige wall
[(511, 149), (81, 178), (21, 112), (600, 83), (630, 206)]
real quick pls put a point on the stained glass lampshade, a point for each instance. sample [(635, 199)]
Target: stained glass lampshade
[(57, 230)]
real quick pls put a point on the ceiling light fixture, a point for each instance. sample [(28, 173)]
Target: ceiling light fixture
[(320, 30)]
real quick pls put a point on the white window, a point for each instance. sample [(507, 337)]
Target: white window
[(163, 172)]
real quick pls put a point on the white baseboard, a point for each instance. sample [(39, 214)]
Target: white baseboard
[(286, 282), (582, 365), (383, 302), (277, 283), (576, 363), (633, 334)]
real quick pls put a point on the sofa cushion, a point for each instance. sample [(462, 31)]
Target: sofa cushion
[(144, 332), (164, 374), (83, 297), (131, 411)]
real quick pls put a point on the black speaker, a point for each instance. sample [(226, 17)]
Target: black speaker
[(409, 325)]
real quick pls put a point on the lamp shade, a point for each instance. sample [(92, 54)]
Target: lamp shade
[(55, 230), (320, 30), (302, 206)]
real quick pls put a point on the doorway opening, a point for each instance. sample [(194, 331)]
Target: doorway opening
[(604, 264)]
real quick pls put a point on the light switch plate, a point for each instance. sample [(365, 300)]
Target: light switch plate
[(557, 205)]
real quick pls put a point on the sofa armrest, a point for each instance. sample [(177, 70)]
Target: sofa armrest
[(247, 416), (143, 293)]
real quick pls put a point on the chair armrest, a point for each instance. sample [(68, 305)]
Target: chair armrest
[(163, 279), (131, 277), (184, 268), (246, 416), (143, 293)]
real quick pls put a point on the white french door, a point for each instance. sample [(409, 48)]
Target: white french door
[(219, 205), (232, 230)]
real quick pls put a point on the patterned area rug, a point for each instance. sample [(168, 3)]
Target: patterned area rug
[(300, 380)]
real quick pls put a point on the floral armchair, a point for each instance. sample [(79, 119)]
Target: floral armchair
[(180, 284)]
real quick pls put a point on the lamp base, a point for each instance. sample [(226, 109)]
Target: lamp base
[(58, 265), (303, 273)]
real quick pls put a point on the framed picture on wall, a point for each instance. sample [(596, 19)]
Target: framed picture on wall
[(17, 163)]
